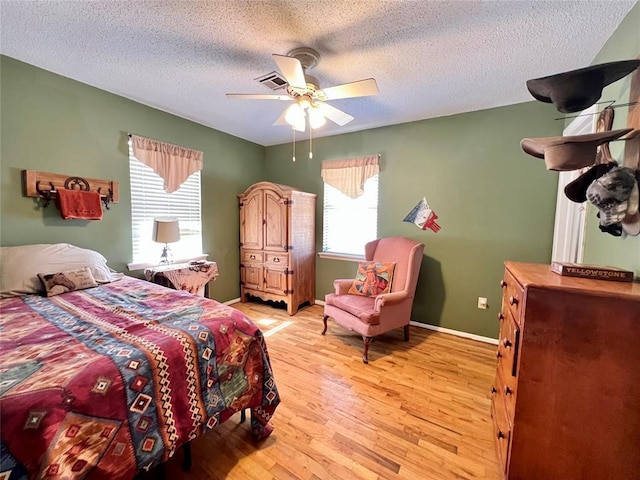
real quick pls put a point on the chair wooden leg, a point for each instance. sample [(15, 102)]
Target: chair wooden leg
[(324, 319), (367, 342), (406, 333)]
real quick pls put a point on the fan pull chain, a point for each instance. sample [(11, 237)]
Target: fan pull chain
[(310, 142), (294, 144)]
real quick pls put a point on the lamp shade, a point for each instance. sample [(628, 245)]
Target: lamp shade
[(166, 230)]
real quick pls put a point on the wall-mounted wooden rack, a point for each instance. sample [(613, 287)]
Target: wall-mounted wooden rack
[(45, 185)]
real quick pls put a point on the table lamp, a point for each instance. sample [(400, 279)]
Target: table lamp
[(166, 230)]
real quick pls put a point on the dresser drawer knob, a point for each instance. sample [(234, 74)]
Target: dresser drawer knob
[(252, 257), (503, 283), (507, 390), (507, 343), (493, 390), (513, 300), (500, 316), (500, 434), (276, 260), (498, 354)]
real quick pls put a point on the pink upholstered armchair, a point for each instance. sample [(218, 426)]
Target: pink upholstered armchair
[(371, 316)]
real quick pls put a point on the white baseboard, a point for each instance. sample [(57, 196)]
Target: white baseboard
[(457, 333)]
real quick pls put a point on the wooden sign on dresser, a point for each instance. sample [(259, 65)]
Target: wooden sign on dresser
[(566, 397), (277, 244)]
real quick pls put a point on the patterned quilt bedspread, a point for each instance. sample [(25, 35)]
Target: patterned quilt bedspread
[(108, 381)]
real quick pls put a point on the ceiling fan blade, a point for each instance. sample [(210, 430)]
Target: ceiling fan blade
[(361, 88), (334, 114), (291, 68), (257, 96), (281, 120)]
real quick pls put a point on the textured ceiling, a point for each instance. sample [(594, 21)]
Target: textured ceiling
[(430, 58)]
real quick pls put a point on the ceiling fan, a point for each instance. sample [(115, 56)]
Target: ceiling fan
[(309, 99)]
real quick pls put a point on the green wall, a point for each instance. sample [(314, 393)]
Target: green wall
[(494, 202), (602, 248), (54, 124)]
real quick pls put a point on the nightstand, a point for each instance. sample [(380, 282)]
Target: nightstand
[(193, 277)]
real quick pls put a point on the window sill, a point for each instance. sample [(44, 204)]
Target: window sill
[(341, 256), (143, 265)]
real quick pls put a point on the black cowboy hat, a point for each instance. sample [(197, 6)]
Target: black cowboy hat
[(579, 89)]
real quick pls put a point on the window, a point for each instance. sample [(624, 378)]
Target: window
[(149, 200), (349, 223)]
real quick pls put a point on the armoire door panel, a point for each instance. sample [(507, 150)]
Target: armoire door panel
[(252, 221), (275, 232), (275, 280), (251, 276)]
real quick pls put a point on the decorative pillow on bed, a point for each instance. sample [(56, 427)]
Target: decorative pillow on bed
[(21, 265), (67, 281), (373, 279)]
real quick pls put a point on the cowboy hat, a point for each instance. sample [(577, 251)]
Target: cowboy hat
[(576, 90), (576, 190), (569, 153)]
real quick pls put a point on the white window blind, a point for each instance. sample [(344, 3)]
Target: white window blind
[(149, 200), (350, 223)]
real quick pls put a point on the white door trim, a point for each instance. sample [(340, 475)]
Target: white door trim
[(568, 231)]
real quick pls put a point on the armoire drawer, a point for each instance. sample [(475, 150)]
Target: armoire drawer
[(251, 256), (277, 259)]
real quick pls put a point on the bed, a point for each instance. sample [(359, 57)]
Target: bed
[(111, 379)]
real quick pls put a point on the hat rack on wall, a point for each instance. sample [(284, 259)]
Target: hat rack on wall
[(609, 104), (631, 157), (45, 185), (613, 188)]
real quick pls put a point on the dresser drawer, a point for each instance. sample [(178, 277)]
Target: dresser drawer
[(512, 295), (507, 354), (501, 431), (277, 259), (250, 256), (506, 394)]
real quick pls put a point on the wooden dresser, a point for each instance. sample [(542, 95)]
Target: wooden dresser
[(566, 397), (277, 244)]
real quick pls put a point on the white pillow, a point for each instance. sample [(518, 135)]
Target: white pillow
[(20, 266)]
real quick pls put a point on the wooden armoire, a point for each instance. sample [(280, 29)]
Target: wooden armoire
[(277, 244), (566, 397)]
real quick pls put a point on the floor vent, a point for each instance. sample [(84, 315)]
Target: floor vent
[(273, 81)]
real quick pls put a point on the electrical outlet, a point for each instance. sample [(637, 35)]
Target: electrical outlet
[(482, 303)]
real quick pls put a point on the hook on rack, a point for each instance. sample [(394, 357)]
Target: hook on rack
[(47, 195)]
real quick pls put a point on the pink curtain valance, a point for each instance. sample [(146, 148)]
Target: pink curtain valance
[(349, 175), (174, 164)]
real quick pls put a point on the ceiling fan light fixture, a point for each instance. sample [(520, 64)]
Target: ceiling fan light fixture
[(316, 118), (295, 116), (304, 102)]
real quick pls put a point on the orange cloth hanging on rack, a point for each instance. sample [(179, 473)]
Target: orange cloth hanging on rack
[(79, 204)]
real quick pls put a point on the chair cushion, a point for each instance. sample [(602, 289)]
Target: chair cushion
[(359, 306), (373, 279)]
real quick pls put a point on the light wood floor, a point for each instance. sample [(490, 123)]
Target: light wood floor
[(419, 410)]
